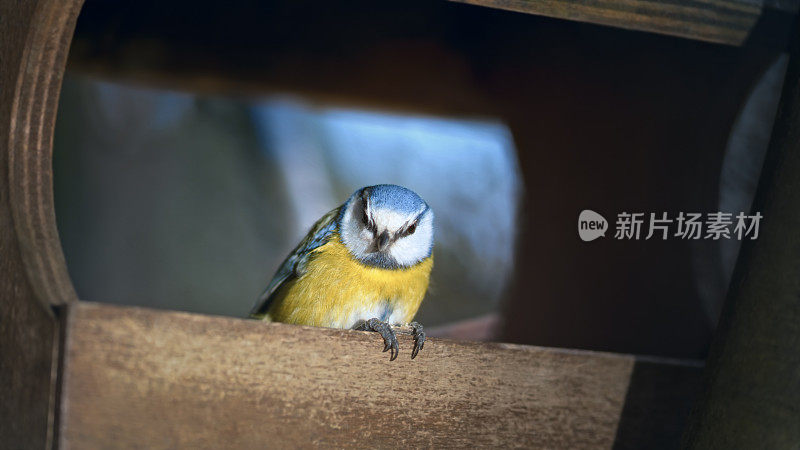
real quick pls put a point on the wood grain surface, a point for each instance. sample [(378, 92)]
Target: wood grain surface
[(30, 149), (721, 21), (139, 378), (34, 40)]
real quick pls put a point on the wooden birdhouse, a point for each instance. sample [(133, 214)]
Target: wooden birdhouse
[(593, 128)]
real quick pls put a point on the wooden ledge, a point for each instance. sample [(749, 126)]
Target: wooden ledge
[(160, 379), (720, 21)]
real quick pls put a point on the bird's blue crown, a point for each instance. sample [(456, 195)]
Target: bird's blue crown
[(398, 198)]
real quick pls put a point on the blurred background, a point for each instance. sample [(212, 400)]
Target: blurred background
[(194, 147), (181, 201)]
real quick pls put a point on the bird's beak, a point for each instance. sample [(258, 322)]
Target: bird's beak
[(383, 241)]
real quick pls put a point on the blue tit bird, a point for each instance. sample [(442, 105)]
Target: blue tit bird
[(364, 265)]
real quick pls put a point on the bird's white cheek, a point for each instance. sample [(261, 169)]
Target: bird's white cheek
[(414, 248), (365, 235)]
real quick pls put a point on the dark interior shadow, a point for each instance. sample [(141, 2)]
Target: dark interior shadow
[(657, 405)]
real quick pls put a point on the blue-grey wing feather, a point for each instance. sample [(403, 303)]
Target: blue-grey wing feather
[(294, 265)]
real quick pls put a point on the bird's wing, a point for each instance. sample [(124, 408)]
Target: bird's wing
[(295, 264)]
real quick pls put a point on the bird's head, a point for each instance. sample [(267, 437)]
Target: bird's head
[(387, 226)]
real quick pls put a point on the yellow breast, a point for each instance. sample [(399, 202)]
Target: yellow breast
[(337, 291)]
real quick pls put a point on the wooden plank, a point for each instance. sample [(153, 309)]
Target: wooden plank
[(752, 393), (30, 148), (154, 379), (721, 21), (34, 37)]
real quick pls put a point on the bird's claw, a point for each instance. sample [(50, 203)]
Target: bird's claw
[(386, 332), (390, 338), (419, 338)]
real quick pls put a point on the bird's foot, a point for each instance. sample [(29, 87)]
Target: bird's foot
[(386, 332), (419, 338)]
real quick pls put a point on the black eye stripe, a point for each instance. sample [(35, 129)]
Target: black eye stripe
[(410, 229), (369, 224)]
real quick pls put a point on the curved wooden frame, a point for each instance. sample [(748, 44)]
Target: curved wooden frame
[(34, 42), (31, 122)]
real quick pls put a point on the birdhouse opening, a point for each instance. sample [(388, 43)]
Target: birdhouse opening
[(190, 202), (195, 145)]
